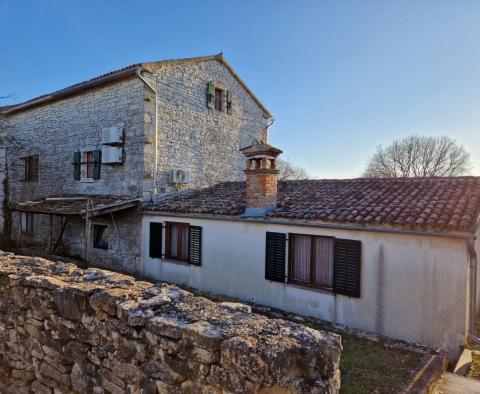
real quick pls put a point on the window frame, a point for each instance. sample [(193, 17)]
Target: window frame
[(218, 100), (30, 174), (86, 164), (167, 253), (311, 284), (95, 244)]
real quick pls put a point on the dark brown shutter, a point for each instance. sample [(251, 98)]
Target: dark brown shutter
[(97, 163), (156, 240), (195, 245), (275, 256), (210, 95), (76, 165), (347, 265)]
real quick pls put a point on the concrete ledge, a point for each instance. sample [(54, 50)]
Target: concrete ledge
[(428, 373)]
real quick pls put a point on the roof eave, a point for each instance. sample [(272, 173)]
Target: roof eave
[(74, 89), (318, 224)]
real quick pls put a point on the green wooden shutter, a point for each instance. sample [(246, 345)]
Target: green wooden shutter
[(275, 252), (211, 95), (76, 165), (229, 102), (195, 245), (97, 163), (346, 267), (156, 240)]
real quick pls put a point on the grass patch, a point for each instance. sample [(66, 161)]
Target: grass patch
[(369, 367)]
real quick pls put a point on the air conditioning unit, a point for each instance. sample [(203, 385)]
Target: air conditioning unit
[(180, 176), (112, 135), (112, 155)]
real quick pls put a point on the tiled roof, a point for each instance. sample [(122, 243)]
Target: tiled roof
[(430, 204), (76, 205)]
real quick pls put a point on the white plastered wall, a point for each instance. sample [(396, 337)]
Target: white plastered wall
[(412, 287)]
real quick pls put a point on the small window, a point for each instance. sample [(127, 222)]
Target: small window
[(27, 223), (176, 241), (89, 161), (311, 260), (31, 168), (100, 240), (218, 99)]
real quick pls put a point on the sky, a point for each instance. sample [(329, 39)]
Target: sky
[(340, 77)]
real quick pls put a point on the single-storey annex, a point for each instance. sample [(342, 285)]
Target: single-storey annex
[(391, 256)]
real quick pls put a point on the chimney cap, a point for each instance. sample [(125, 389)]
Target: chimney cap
[(258, 147)]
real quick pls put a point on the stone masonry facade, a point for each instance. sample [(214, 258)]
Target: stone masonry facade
[(68, 330), (190, 136)]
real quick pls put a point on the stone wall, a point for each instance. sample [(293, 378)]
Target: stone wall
[(56, 130), (123, 238), (63, 330), (194, 137)]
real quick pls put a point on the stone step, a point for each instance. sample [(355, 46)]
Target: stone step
[(455, 384)]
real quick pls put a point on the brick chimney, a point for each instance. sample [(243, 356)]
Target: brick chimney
[(262, 177)]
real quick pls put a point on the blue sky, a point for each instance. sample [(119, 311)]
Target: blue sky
[(340, 77)]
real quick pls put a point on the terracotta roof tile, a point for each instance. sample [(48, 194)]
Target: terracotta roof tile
[(432, 204)]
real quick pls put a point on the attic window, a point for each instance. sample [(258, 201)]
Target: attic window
[(218, 99)]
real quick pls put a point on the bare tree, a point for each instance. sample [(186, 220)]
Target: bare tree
[(7, 96), (288, 171), (419, 156)]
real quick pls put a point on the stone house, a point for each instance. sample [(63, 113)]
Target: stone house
[(391, 256), (77, 162)]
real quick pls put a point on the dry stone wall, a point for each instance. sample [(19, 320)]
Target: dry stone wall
[(64, 330)]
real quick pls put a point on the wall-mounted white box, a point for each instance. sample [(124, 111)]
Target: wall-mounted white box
[(112, 135), (112, 154)]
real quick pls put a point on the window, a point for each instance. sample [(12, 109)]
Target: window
[(31, 168), (86, 165), (176, 241), (218, 99), (311, 260), (182, 242), (314, 261), (27, 223), (100, 240), (88, 160)]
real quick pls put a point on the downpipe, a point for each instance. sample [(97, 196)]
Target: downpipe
[(472, 340), (155, 127)]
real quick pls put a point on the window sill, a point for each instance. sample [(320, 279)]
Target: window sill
[(173, 261), (323, 290), (88, 180)]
